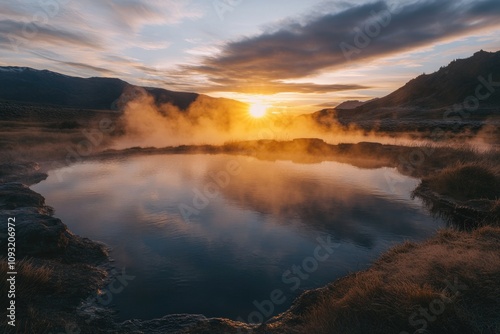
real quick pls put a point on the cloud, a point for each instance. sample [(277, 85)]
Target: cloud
[(134, 14), (303, 48), (276, 87), (100, 70), (15, 33), (76, 65)]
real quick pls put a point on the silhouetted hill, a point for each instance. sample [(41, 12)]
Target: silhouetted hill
[(448, 86), (180, 99), (348, 105), (352, 104), (422, 103), (23, 84)]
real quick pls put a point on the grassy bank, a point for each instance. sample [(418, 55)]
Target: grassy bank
[(31, 280), (467, 181), (465, 194), (448, 284)]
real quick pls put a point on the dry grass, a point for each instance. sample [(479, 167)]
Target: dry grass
[(47, 295), (467, 181), (387, 298), (466, 195), (31, 279)]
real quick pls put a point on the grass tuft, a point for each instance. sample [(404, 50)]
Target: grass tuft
[(31, 278), (466, 182)]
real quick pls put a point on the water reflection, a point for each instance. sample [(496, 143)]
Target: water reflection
[(352, 204), (235, 249)]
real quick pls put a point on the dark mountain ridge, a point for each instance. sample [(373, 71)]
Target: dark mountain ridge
[(448, 86), (352, 104), (423, 102), (27, 85)]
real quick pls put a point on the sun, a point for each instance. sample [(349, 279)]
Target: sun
[(258, 110)]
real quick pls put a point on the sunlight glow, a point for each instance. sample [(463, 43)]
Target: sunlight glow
[(258, 110)]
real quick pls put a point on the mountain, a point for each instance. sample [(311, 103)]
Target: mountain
[(352, 104), (424, 100), (349, 105), (448, 86), (23, 84)]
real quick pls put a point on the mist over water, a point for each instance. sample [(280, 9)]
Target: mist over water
[(218, 121), (206, 121)]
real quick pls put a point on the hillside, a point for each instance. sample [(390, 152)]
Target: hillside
[(27, 85), (352, 104), (349, 105), (450, 85), (423, 100)]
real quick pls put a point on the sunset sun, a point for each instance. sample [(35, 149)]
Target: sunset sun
[(258, 110)]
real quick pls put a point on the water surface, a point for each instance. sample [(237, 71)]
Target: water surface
[(192, 253)]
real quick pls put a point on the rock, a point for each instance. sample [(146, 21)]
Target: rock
[(16, 195), (184, 323), (27, 172), (36, 234)]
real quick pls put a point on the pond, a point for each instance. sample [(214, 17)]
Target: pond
[(219, 235)]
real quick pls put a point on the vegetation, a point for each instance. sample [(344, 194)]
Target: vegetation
[(32, 279), (453, 277), (467, 182), (467, 195)]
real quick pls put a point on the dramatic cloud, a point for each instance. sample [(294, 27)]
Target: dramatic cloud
[(275, 87), (132, 14), (298, 49), (16, 33)]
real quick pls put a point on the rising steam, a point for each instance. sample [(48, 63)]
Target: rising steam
[(217, 121)]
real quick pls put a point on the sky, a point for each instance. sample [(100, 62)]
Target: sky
[(294, 55)]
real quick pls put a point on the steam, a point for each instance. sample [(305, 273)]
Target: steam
[(209, 121), (206, 121)]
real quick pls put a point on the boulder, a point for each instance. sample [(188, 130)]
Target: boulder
[(16, 195), (26, 172), (36, 234)]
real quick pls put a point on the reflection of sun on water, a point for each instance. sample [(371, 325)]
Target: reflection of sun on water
[(258, 110)]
